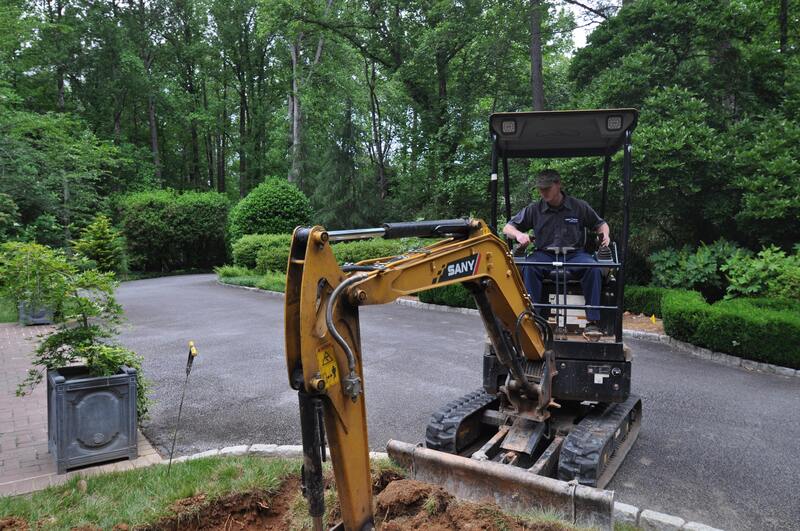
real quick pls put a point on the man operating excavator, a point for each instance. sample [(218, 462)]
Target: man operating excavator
[(558, 221)]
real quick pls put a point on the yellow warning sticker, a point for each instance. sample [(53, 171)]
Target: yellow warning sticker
[(328, 369)]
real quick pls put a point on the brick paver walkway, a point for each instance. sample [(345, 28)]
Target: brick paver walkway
[(25, 464)]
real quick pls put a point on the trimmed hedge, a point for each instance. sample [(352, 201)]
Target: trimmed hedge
[(682, 312), (165, 230), (453, 295), (247, 248), (741, 328), (273, 207), (273, 255), (351, 252), (644, 299)]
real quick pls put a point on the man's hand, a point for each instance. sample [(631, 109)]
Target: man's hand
[(523, 239), (604, 233)]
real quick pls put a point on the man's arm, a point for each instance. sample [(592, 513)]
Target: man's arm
[(512, 232), (604, 230)]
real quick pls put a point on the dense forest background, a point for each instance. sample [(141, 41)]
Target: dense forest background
[(378, 111)]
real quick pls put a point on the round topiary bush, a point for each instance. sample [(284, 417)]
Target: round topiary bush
[(273, 207)]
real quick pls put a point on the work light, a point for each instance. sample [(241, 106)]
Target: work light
[(509, 127), (614, 123)]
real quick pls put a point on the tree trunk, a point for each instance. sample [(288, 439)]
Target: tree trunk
[(243, 188), (221, 155), (151, 116), (294, 113), (783, 24), (537, 83)]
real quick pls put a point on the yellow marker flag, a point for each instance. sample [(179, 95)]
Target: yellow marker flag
[(653, 318)]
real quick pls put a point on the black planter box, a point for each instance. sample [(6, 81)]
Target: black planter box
[(34, 315), (91, 419)]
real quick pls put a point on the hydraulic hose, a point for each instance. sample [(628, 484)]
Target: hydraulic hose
[(351, 359)]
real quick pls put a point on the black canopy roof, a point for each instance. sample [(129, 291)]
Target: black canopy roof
[(561, 133)]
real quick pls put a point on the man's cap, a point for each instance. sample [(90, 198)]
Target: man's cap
[(546, 179)]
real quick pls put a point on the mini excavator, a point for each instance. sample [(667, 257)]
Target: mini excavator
[(551, 404)]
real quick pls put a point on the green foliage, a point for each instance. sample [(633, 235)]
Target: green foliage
[(452, 295), (247, 249), (8, 311), (272, 281), (273, 255), (771, 273), (165, 230), (700, 270), (357, 251), (682, 312), (644, 299), (101, 243), (143, 497), (228, 271), (9, 217), (273, 207), (751, 331), (88, 321), (767, 165), (34, 275)]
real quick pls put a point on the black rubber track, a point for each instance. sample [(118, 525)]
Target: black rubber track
[(593, 437), (443, 428)]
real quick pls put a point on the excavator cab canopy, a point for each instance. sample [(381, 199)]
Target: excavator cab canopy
[(566, 134), (561, 133)]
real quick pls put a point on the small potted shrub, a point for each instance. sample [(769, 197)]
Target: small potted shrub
[(34, 277), (95, 394)]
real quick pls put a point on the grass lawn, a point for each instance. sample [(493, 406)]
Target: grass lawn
[(143, 496), (240, 276), (8, 311)]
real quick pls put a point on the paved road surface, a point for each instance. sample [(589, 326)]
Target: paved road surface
[(718, 445)]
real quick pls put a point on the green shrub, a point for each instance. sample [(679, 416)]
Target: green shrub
[(682, 312), (273, 255), (273, 207), (101, 243), (34, 275), (352, 252), (645, 299), (228, 271), (700, 270), (245, 250), (770, 273), (453, 295), (744, 329), (272, 281), (165, 230)]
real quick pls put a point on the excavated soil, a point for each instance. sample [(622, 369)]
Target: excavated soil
[(248, 511), (400, 504), (642, 323)]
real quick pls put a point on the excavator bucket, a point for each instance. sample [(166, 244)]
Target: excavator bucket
[(514, 489)]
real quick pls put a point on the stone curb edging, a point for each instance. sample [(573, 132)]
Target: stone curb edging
[(694, 350), (623, 513)]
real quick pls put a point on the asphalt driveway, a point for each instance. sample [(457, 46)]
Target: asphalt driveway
[(718, 445)]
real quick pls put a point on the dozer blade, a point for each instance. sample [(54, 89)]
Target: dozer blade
[(513, 489)]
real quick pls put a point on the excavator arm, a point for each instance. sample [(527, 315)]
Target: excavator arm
[(323, 344)]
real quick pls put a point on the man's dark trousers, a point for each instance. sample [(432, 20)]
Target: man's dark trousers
[(590, 277)]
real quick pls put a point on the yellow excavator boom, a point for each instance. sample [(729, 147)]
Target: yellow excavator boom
[(323, 344)]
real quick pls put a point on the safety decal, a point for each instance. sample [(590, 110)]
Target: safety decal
[(463, 267), (328, 369)]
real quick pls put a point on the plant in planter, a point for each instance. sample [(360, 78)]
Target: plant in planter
[(34, 277), (95, 395)]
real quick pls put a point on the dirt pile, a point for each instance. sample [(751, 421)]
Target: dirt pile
[(241, 512), (407, 504)]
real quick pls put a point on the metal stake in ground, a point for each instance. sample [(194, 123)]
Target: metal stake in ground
[(189, 361)]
